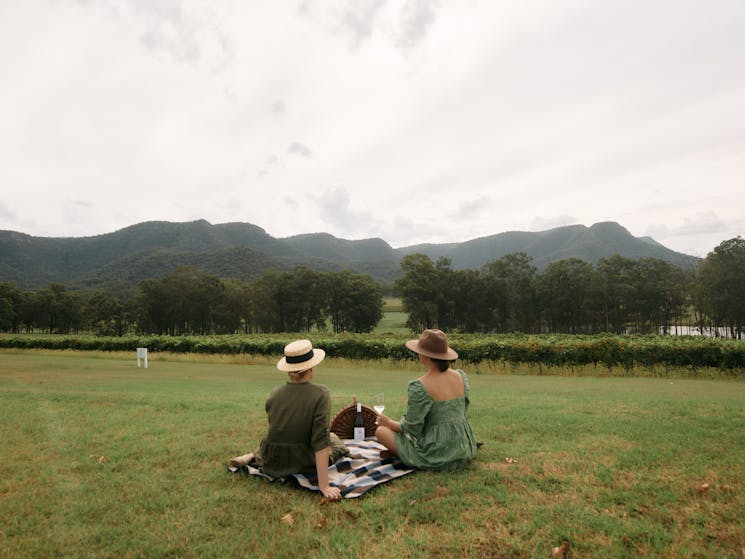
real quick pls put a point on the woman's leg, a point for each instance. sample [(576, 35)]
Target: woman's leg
[(386, 437)]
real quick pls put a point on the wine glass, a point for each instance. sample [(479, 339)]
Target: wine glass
[(379, 403)]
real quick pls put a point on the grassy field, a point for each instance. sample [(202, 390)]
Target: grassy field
[(102, 459), (394, 318)]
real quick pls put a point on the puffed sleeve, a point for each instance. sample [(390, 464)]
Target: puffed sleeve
[(320, 435), (417, 407)]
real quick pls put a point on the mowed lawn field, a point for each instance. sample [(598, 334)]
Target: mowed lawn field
[(102, 459)]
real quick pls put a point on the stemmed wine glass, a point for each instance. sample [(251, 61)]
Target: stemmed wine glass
[(379, 402)]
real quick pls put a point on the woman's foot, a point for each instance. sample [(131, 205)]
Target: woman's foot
[(240, 461)]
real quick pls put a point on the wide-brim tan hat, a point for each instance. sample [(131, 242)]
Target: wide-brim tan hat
[(433, 343), (300, 355)]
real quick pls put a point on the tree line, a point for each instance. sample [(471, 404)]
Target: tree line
[(618, 295), (188, 301)]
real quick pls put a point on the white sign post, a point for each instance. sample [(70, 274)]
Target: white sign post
[(141, 354)]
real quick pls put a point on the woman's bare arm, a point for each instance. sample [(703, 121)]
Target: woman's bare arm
[(322, 471)]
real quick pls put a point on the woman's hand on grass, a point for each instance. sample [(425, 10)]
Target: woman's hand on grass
[(331, 493)]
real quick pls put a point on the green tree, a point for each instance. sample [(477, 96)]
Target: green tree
[(230, 312), (511, 288), (171, 304), (264, 314), (188, 301), (301, 301), (354, 302), (10, 307), (156, 308), (426, 290), (468, 292), (722, 276), (698, 295), (61, 309), (106, 314), (616, 277), (206, 296), (31, 311), (659, 295), (567, 291)]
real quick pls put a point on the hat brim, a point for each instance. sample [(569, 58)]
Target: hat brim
[(449, 355), (318, 356)]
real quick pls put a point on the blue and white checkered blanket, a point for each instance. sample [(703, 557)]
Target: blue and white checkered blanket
[(354, 474)]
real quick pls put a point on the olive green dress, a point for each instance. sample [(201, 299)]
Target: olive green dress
[(298, 415), (435, 434)]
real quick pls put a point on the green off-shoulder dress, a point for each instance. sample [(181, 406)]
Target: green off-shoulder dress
[(435, 434)]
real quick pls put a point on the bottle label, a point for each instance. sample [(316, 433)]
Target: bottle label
[(359, 433)]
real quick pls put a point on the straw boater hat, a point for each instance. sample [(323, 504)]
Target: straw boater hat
[(300, 356), (433, 343)]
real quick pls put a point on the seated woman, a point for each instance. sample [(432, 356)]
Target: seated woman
[(434, 434), (298, 438)]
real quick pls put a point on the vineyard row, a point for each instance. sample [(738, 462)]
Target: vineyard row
[(609, 351)]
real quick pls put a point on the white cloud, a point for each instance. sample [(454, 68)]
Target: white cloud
[(6, 214), (545, 223), (417, 16), (696, 234), (188, 32), (353, 20), (358, 18), (443, 121), (702, 222), (403, 23), (278, 108), (297, 148), (339, 214)]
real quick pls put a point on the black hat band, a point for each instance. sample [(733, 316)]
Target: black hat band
[(299, 358)]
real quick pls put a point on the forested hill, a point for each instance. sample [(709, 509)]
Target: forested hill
[(587, 243), (244, 251), (152, 249)]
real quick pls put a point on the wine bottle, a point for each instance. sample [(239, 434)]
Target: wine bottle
[(359, 425)]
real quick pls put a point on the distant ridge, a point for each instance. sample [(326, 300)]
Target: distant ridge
[(587, 243), (243, 251)]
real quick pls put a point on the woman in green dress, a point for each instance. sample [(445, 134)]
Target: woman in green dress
[(434, 434), (298, 439)]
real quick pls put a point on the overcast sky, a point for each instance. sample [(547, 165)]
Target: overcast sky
[(410, 120)]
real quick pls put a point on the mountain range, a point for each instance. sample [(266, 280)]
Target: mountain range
[(118, 260)]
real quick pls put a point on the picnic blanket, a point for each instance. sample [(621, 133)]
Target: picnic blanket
[(354, 474)]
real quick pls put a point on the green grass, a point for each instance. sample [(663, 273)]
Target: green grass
[(393, 322), (394, 318), (612, 464)]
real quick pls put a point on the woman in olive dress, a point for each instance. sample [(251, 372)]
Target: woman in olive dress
[(298, 439), (434, 434)]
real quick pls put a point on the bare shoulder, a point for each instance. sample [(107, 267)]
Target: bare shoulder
[(444, 386), (455, 377)]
